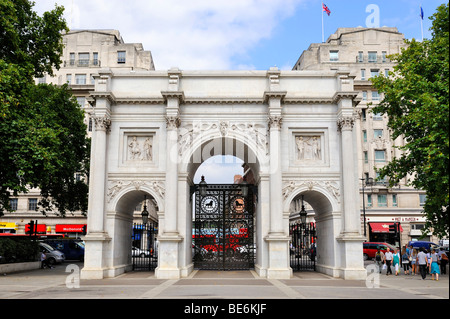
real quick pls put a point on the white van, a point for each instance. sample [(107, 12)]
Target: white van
[(52, 255)]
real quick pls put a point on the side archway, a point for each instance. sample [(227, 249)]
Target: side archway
[(327, 217), (119, 223)]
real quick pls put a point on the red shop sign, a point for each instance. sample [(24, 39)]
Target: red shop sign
[(69, 228)]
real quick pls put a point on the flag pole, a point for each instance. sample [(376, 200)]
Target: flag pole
[(421, 20), (323, 39)]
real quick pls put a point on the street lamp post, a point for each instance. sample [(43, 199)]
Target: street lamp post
[(144, 213), (365, 182), (303, 214), (202, 186)]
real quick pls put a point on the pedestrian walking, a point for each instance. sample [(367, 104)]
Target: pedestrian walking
[(396, 261), (44, 262), (422, 261), (444, 261), (413, 259), (379, 259), (406, 262), (434, 267), (388, 256)]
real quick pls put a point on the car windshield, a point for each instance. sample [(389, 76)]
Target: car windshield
[(50, 248)]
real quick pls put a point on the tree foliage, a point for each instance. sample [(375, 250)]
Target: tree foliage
[(416, 100), (42, 135)]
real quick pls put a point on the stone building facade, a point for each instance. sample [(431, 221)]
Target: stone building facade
[(85, 53)]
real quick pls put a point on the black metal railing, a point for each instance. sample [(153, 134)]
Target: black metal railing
[(303, 246), (144, 251)]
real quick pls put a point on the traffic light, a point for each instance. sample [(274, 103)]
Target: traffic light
[(393, 228), (30, 228)]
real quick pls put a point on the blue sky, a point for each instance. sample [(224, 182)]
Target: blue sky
[(234, 34)]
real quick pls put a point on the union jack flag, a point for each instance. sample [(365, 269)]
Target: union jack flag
[(325, 8)]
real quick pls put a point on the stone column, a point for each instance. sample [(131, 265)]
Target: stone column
[(97, 177), (96, 239), (350, 262), (278, 237), (169, 236), (352, 223)]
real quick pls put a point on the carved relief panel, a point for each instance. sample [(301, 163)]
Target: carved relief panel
[(138, 147), (309, 147)]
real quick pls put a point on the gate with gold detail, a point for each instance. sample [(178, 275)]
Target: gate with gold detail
[(223, 232)]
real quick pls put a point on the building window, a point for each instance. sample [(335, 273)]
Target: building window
[(83, 59), (384, 56), (363, 114), (80, 78), (32, 204), (363, 74), (374, 72), (69, 78), (380, 181), (121, 56), (81, 100), (394, 200), (13, 203), (364, 136), (375, 96), (380, 156), (386, 73), (422, 199), (90, 125), (366, 157), (364, 93), (72, 58), (377, 134), (382, 202), (372, 56), (369, 200), (334, 56), (95, 58), (360, 56)]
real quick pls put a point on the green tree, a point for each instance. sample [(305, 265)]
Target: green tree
[(416, 100), (43, 141)]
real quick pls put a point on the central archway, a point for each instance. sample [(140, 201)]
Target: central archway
[(203, 149)]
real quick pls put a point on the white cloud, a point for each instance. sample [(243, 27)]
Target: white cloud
[(196, 34)]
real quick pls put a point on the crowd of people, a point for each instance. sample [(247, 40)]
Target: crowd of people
[(413, 261)]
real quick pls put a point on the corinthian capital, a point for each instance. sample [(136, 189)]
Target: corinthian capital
[(102, 123), (173, 122), (345, 123), (275, 122)]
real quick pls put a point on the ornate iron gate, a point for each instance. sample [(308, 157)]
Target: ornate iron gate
[(144, 251), (223, 234), (303, 246)]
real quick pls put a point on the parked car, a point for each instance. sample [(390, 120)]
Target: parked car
[(52, 255), (370, 248), (428, 245), (138, 252), (72, 249)]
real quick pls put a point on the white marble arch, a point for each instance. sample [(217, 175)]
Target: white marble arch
[(189, 114)]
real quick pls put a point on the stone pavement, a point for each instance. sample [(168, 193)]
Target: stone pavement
[(59, 284)]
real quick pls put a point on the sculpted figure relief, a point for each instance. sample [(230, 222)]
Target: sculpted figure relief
[(308, 147), (138, 152)]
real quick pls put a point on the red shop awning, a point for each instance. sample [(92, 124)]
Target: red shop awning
[(381, 227)]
